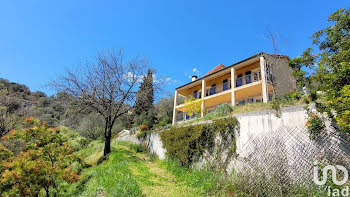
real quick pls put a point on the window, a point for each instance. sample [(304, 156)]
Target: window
[(199, 94), (248, 78), (213, 89), (239, 80), (242, 102), (195, 94), (224, 85), (257, 76), (250, 100)]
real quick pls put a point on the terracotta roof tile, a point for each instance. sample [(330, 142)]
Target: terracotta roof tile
[(217, 68)]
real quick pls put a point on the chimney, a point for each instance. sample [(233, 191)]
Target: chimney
[(194, 78)]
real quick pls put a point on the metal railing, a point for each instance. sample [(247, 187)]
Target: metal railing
[(218, 88), (247, 79), (239, 81)]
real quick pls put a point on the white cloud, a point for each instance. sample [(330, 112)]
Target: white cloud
[(195, 71), (131, 76), (156, 79), (169, 80)]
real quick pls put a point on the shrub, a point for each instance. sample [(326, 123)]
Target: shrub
[(315, 125), (45, 164), (142, 134), (276, 105), (293, 94), (143, 127), (223, 109), (75, 141), (186, 144), (193, 106)]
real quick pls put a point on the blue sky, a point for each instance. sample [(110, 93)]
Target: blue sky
[(39, 39)]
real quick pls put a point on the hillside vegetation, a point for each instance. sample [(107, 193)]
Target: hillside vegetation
[(65, 144)]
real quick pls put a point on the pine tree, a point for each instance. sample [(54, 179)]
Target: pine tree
[(144, 101)]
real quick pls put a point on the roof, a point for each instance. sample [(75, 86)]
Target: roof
[(280, 56), (217, 68), (229, 67)]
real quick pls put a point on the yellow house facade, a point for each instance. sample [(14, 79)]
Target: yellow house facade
[(254, 79)]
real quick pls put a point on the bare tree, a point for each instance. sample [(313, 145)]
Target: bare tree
[(274, 62), (107, 86)]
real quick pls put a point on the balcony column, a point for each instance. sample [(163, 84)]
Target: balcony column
[(203, 95), (233, 86), (175, 111), (264, 79)]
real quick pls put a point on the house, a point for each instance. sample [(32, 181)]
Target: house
[(255, 79)]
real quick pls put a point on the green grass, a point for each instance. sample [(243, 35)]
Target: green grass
[(209, 183), (111, 178), (92, 152), (130, 171)]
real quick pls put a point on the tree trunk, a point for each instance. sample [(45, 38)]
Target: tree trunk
[(108, 136)]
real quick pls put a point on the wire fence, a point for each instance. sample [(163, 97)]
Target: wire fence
[(281, 162)]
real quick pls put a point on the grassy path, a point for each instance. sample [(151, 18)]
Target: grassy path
[(131, 172), (155, 180)]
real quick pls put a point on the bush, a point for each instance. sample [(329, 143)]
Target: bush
[(45, 164), (75, 141), (223, 109), (143, 133), (143, 127), (186, 144), (315, 125), (276, 105)]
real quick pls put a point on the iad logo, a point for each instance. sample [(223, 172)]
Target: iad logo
[(332, 192), (334, 174)]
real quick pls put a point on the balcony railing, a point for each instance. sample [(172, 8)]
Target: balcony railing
[(247, 79), (243, 80), (218, 88), (239, 81)]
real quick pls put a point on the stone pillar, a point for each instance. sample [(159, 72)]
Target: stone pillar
[(233, 86), (175, 112), (203, 95), (264, 87)]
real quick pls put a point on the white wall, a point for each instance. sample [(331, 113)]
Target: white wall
[(262, 137)]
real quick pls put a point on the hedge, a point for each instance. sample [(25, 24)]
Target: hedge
[(186, 144)]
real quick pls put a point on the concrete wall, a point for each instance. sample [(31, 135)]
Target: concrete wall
[(251, 125), (266, 141), (257, 123), (281, 74)]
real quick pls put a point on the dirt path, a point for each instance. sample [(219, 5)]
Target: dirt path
[(154, 180)]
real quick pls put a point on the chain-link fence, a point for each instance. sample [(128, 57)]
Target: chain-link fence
[(281, 162)]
